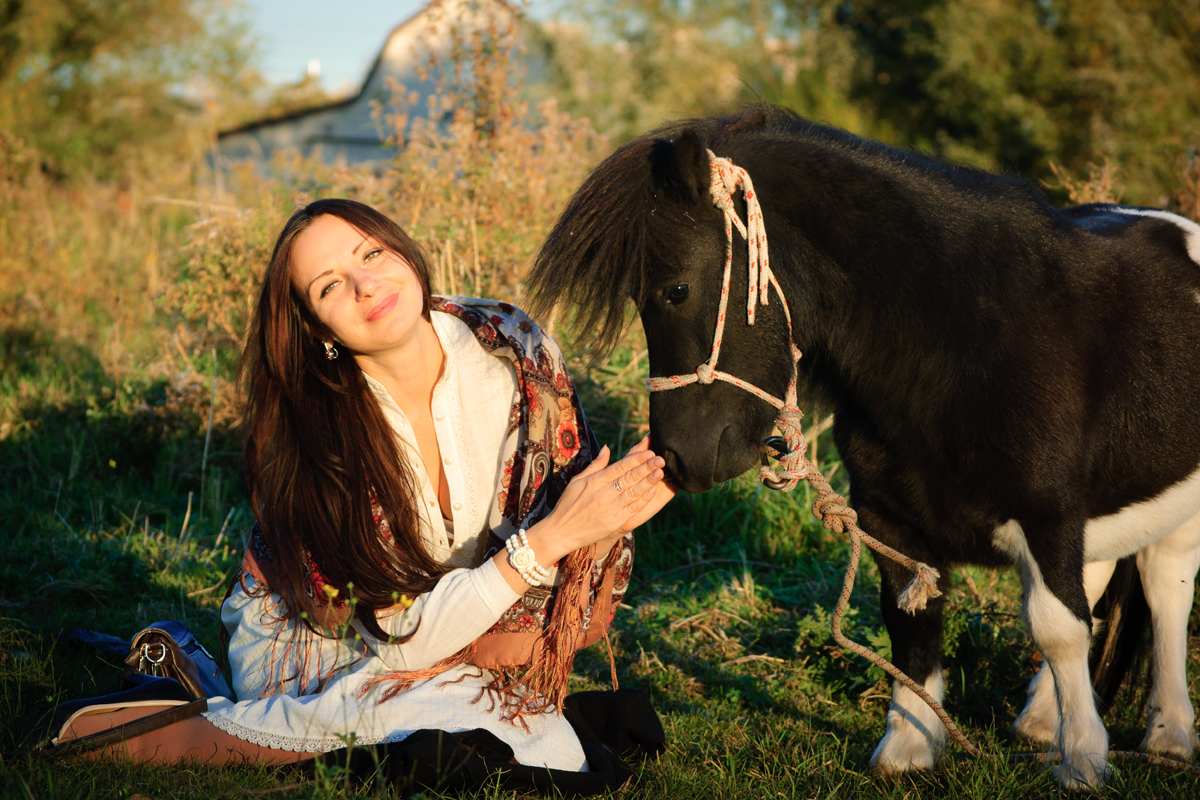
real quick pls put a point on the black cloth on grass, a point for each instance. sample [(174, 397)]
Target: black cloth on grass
[(611, 726)]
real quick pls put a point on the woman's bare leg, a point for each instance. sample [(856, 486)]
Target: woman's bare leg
[(194, 739)]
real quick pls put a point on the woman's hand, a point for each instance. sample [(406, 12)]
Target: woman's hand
[(602, 503), (662, 492)]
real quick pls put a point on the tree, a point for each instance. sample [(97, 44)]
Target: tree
[(1011, 85), (104, 87), (1004, 84)]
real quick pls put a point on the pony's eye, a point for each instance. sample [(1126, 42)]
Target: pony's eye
[(676, 294)]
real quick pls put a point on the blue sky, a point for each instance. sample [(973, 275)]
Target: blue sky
[(345, 35)]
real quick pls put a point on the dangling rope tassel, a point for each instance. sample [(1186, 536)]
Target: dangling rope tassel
[(920, 590), (856, 537)]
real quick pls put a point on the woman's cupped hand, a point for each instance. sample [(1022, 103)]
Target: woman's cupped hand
[(603, 502)]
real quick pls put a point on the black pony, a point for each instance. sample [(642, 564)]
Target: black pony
[(1012, 384)]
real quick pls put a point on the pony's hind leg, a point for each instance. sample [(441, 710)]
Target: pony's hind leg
[(1168, 569), (1056, 610), (1039, 721), (915, 737)]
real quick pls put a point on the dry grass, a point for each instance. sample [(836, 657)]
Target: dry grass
[(1187, 192), (1103, 185), (1100, 186), (478, 184)]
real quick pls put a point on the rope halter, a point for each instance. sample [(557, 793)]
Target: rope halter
[(727, 179)]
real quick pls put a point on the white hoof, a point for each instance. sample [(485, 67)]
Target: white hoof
[(1038, 722), (1036, 726), (896, 755), (1171, 741), (1083, 773), (915, 736)]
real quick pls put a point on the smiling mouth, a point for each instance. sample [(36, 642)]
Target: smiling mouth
[(383, 308)]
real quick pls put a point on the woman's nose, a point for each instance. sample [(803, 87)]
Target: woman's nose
[(365, 285)]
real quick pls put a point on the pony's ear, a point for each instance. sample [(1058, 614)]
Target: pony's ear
[(680, 168)]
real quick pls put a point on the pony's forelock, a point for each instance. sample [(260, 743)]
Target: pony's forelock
[(596, 267)]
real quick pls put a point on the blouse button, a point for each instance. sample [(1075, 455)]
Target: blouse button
[(438, 417), (458, 506), (447, 460)]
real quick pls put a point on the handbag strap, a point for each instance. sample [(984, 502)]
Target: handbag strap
[(129, 730)]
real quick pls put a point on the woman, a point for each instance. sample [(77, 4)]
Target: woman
[(422, 475)]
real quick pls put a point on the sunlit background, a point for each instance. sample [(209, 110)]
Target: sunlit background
[(338, 40), (150, 149)]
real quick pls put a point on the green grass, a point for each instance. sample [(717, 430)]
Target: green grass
[(726, 625)]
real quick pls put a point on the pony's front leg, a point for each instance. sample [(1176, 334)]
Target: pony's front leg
[(1059, 618), (1039, 722), (915, 737), (1168, 569)]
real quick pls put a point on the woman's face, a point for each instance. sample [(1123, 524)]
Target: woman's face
[(368, 297)]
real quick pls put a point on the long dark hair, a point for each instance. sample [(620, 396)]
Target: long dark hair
[(317, 446)]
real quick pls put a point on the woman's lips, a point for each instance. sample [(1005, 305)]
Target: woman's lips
[(383, 308)]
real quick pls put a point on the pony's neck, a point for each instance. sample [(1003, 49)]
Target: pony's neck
[(872, 240)]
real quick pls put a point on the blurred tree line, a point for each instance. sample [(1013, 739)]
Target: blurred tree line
[(1008, 85), (123, 89), (115, 89)]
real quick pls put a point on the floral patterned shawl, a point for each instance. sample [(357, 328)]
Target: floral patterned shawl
[(532, 646)]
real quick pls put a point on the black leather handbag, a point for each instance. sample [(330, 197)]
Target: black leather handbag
[(165, 667), (169, 649)]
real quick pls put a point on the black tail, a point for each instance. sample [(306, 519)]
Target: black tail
[(1120, 646)]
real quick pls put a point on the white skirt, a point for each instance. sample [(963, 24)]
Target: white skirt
[(347, 709)]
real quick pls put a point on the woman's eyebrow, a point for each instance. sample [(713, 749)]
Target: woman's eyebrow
[(353, 252), (308, 289)]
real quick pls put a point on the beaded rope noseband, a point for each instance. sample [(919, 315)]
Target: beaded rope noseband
[(727, 178)]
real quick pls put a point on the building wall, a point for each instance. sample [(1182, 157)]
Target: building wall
[(346, 130)]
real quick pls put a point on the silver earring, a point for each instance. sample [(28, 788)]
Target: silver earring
[(330, 351)]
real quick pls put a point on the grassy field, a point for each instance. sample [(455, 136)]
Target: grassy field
[(120, 509), (121, 316)]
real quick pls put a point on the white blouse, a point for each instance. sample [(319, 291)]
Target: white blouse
[(471, 404)]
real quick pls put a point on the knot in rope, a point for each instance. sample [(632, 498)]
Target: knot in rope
[(704, 373), (834, 514)]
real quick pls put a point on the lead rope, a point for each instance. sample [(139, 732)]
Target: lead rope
[(830, 508)]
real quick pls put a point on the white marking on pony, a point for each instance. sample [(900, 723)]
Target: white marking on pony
[(1063, 639), (1168, 569), (1139, 524), (915, 736), (1191, 229), (1039, 720)]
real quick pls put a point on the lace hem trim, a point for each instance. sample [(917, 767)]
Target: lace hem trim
[(297, 744)]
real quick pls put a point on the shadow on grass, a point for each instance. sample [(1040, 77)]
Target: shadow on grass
[(110, 523)]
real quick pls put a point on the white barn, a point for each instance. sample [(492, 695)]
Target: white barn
[(345, 129)]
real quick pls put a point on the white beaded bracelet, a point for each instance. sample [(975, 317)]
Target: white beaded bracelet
[(522, 559)]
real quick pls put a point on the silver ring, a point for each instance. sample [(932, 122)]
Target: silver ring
[(617, 483)]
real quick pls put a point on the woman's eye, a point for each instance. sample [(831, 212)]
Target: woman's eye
[(373, 254), (328, 288), (676, 294)]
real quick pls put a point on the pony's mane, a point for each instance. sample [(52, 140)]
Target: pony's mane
[(596, 265), (598, 255)]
